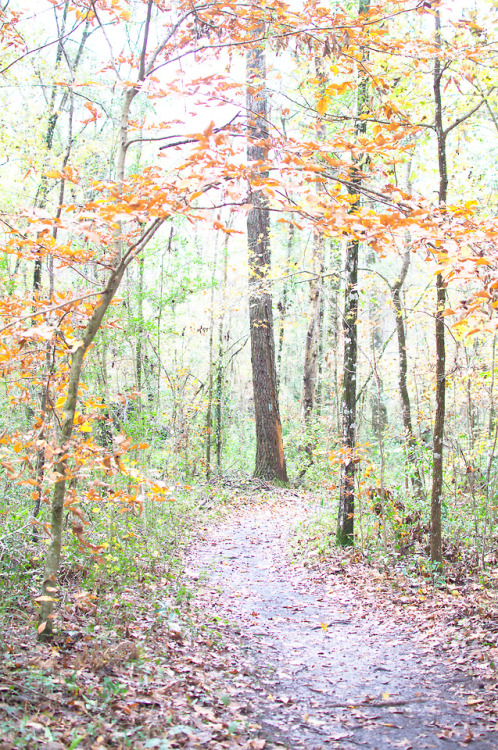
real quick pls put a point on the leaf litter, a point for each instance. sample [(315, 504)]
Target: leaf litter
[(361, 661), (267, 652)]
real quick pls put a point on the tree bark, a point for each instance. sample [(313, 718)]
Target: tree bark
[(220, 365), (270, 460), (209, 421), (53, 117), (312, 344), (437, 446), (139, 349), (122, 262), (406, 414), (345, 523), (283, 305), (310, 372), (52, 561)]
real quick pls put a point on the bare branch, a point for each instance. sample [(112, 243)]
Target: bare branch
[(141, 72), (43, 46), (467, 115)]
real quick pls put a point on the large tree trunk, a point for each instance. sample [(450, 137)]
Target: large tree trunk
[(437, 449), (270, 460)]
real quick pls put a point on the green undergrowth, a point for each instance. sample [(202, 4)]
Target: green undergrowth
[(118, 552), (129, 618), (126, 551), (403, 546)]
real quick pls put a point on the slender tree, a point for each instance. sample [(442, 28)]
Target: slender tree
[(345, 524), (437, 445), (406, 413), (312, 341), (123, 258)]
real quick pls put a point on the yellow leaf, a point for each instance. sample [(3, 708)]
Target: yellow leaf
[(385, 696), (324, 625), (85, 428), (60, 402)]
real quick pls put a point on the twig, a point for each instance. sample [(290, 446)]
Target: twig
[(49, 309), (377, 704), (27, 688), (17, 531)]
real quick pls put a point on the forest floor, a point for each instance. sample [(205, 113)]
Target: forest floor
[(259, 649)]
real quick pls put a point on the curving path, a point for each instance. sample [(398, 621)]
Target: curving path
[(312, 669)]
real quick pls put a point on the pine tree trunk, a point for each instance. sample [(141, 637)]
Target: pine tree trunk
[(270, 460)]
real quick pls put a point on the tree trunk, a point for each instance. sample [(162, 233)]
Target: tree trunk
[(283, 304), (41, 202), (53, 117), (345, 524), (312, 344), (220, 365), (270, 460), (437, 448), (209, 421), (139, 350), (411, 444), (310, 372), (52, 561)]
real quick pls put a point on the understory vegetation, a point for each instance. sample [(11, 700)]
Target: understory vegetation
[(245, 249)]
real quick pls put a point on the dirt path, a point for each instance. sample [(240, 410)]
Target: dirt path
[(315, 669)]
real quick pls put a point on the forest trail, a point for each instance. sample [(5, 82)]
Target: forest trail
[(314, 667)]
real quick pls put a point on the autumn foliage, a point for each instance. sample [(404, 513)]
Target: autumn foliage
[(172, 101)]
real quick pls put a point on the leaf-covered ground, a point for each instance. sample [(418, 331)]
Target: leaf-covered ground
[(259, 649)]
